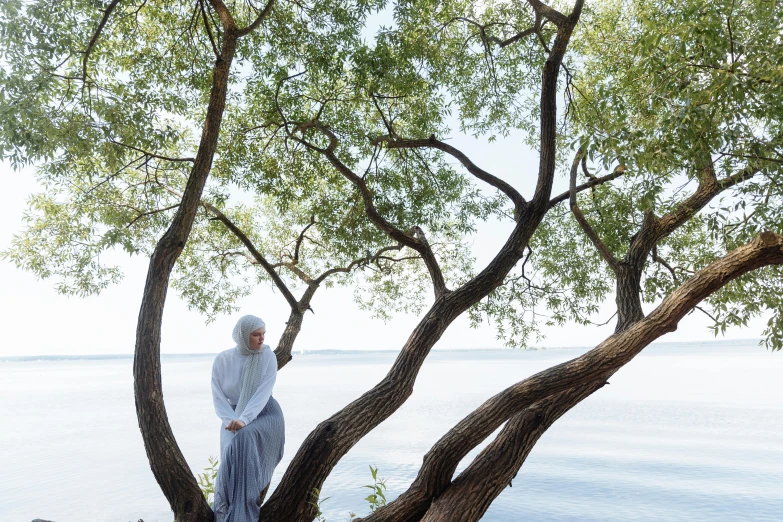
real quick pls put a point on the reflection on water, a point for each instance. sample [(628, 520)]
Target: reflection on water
[(684, 432)]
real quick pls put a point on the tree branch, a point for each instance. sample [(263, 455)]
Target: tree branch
[(548, 100), (471, 493), (494, 39), (150, 213), (301, 274), (226, 19), (151, 154), (166, 461), (301, 238), (664, 264), (619, 171), (260, 18), (203, 9), (411, 241), (251, 248), (580, 218), (431, 142), (334, 437), (357, 262), (527, 32), (654, 229), (556, 17), (106, 14)]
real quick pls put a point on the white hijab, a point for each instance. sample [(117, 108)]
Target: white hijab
[(251, 371)]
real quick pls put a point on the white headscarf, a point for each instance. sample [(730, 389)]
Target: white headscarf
[(251, 371)]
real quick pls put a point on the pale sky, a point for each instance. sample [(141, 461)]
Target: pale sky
[(38, 321)]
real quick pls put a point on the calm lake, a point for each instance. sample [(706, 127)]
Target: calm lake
[(684, 432)]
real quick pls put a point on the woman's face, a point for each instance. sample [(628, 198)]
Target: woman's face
[(257, 338)]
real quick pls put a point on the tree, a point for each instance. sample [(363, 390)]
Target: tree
[(343, 143)]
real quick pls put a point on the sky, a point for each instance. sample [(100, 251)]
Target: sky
[(36, 320)]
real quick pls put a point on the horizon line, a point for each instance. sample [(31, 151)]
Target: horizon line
[(330, 351)]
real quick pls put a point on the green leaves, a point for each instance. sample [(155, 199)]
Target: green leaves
[(377, 496), (207, 479)]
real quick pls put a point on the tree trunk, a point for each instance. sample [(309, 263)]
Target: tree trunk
[(168, 465), (628, 296), (597, 365), (286, 344), (472, 492)]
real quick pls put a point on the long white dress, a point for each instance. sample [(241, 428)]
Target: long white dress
[(248, 456)]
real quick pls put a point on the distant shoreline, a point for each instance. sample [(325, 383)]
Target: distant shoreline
[(122, 356)]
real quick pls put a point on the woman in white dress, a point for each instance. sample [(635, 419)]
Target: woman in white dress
[(252, 433)]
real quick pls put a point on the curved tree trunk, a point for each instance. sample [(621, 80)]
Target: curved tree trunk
[(572, 381), (472, 492), (286, 344), (628, 295), (166, 460)]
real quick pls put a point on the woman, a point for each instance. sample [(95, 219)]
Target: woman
[(253, 432)]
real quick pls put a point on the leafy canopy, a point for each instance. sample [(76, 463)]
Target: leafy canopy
[(665, 89)]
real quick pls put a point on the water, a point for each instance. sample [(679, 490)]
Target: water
[(684, 432)]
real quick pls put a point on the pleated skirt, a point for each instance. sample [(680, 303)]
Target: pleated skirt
[(248, 458)]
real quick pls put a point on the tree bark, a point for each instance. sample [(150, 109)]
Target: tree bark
[(286, 344), (168, 465), (628, 296), (471, 493)]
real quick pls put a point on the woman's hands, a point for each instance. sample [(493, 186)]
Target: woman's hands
[(235, 425)]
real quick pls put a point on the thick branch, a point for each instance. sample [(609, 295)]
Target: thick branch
[(472, 492), (554, 16), (597, 364), (658, 228), (166, 460), (106, 14), (226, 19), (580, 218), (432, 142), (548, 100), (653, 229), (527, 32), (260, 18)]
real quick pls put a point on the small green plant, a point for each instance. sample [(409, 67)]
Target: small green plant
[(377, 497), (206, 480), (316, 503)]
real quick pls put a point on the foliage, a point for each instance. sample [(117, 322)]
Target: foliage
[(667, 90), (207, 479), (376, 499), (377, 496)]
